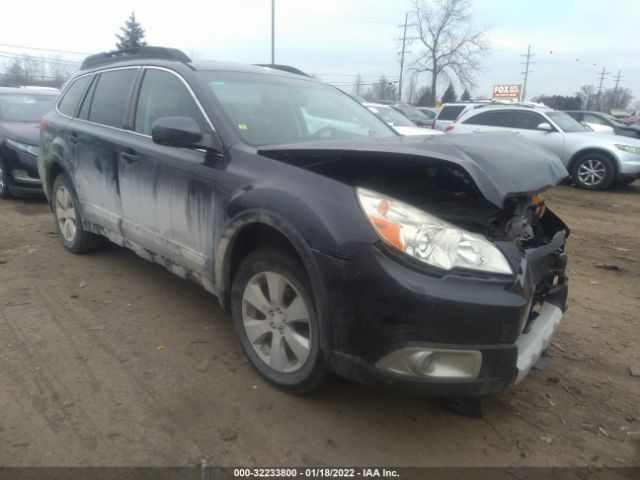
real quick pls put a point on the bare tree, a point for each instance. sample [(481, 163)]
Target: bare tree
[(620, 101), (452, 45), (587, 95), (384, 90), (412, 87)]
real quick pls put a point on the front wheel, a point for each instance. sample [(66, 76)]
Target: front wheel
[(275, 318), (68, 220), (593, 171), (4, 181)]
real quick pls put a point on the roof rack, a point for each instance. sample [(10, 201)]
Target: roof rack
[(134, 54), (284, 68), (509, 103)]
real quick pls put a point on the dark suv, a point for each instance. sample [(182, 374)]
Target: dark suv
[(337, 245), (20, 111)]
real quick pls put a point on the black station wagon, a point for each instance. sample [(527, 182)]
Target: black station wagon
[(428, 264)]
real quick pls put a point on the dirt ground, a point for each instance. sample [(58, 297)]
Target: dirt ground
[(106, 359)]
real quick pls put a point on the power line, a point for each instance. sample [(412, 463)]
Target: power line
[(40, 59), (338, 84), (526, 72), (355, 75), (43, 49)]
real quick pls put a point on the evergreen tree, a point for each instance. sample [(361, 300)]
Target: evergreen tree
[(132, 34), (466, 96), (449, 94), (424, 97)]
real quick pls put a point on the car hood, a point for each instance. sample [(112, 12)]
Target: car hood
[(603, 139), (411, 131), (23, 132), (501, 164)]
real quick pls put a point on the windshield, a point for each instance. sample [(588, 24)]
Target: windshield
[(567, 123), (23, 107), (413, 114), (270, 109), (615, 121), (391, 116)]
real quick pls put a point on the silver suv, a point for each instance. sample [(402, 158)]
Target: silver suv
[(594, 160), (452, 111)]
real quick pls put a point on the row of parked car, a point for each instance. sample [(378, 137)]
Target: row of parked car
[(426, 263), (594, 159)]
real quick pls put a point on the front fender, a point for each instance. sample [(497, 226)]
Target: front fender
[(305, 252)]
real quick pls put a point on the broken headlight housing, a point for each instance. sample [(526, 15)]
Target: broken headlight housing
[(428, 238)]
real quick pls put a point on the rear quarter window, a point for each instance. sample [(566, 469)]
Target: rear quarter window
[(450, 113), (69, 101)]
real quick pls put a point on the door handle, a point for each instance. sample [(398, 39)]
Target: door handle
[(73, 138), (129, 157)]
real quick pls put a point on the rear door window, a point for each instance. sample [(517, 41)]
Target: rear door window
[(69, 101), (492, 119), (527, 121), (110, 97), (450, 112), (163, 94)]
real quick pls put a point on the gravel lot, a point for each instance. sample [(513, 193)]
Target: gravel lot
[(106, 359)]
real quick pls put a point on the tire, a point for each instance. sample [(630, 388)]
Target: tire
[(66, 213), (593, 171), (285, 352), (625, 181), (4, 181)]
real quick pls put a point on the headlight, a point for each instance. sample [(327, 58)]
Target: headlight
[(628, 148), (23, 147), (428, 238)]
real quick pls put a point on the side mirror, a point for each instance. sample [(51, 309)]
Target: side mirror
[(544, 126), (182, 132)]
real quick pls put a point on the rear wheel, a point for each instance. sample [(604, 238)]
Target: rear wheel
[(68, 220), (593, 171), (276, 321), (4, 181)]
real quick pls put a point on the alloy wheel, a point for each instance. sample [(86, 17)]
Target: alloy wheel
[(276, 320), (66, 214), (592, 172), (3, 181)]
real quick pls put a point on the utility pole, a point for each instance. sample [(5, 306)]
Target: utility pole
[(404, 42), (273, 32), (526, 72), (615, 89), (602, 75)]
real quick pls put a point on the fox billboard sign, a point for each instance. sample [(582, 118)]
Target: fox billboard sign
[(506, 92)]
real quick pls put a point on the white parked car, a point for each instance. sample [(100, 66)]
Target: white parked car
[(594, 160), (399, 122)]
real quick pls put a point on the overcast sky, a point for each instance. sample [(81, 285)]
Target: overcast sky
[(572, 39)]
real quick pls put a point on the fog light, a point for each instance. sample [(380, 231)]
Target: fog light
[(420, 362), (433, 363)]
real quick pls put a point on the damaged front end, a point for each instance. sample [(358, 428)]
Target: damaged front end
[(467, 284)]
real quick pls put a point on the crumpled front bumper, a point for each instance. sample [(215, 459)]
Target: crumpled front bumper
[(398, 325)]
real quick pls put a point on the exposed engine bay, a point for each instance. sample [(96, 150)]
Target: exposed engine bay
[(439, 187)]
